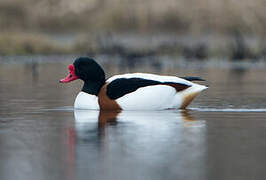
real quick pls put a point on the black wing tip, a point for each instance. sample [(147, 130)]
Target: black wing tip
[(191, 78)]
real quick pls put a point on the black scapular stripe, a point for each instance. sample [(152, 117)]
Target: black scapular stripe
[(122, 86), (192, 78)]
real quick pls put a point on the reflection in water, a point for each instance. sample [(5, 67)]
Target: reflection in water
[(37, 147), (107, 117), (150, 145), (33, 69)]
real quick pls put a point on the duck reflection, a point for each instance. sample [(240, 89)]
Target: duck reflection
[(116, 144), (91, 121), (104, 117), (107, 117)]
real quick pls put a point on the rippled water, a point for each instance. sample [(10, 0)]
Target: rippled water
[(221, 135)]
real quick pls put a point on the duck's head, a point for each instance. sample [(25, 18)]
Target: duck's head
[(86, 69)]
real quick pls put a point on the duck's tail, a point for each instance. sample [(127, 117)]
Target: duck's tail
[(190, 93)]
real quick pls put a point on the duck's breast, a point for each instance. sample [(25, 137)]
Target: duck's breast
[(105, 102), (86, 101)]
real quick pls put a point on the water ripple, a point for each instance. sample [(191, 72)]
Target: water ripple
[(227, 110)]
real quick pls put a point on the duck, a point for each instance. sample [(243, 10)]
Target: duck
[(131, 91)]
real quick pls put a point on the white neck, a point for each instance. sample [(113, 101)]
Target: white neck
[(86, 101)]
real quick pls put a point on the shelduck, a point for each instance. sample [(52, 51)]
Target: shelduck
[(134, 91)]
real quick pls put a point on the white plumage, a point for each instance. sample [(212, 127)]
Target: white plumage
[(155, 97), (86, 101)]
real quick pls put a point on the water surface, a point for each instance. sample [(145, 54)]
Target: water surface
[(221, 135)]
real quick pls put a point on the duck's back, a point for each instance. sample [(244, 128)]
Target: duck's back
[(140, 91)]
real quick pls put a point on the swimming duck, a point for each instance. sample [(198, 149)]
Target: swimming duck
[(134, 91)]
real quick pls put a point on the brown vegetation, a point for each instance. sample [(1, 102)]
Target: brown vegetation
[(25, 43), (152, 15), (212, 27)]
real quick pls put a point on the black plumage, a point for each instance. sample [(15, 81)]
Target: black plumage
[(122, 86)]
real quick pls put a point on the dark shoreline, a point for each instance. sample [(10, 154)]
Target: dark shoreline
[(161, 61), (135, 46)]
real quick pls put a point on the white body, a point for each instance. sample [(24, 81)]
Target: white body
[(86, 101), (156, 97)]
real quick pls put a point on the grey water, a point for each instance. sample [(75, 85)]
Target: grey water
[(220, 136)]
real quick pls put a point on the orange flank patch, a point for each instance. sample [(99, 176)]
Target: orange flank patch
[(105, 102), (187, 100)]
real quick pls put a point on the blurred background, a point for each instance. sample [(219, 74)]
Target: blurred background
[(220, 136), (194, 29)]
